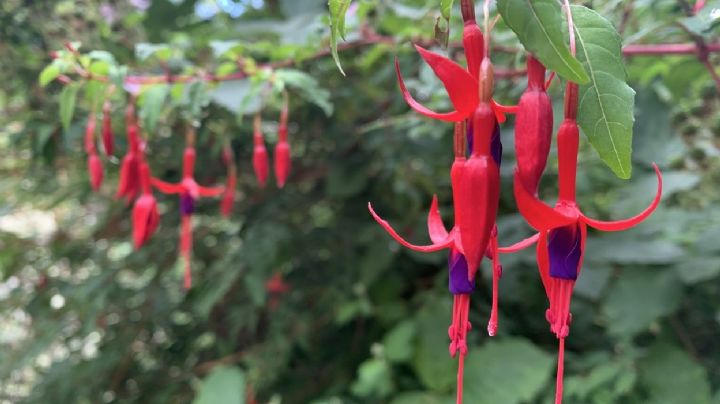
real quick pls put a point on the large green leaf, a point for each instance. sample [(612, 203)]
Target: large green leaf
[(605, 112), (223, 385), (539, 26), (505, 371), (338, 8), (432, 363), (671, 376), (638, 298), (68, 98)]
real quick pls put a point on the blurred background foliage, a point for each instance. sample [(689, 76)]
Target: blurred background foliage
[(85, 319)]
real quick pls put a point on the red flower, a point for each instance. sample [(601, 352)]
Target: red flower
[(95, 166), (189, 191), (145, 215), (260, 156), (129, 184), (563, 229), (107, 133), (282, 148)]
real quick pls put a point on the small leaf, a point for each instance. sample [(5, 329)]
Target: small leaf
[(223, 385), (398, 342), (445, 8), (151, 102), (48, 74), (605, 112), (539, 26), (68, 98), (308, 87), (338, 9)]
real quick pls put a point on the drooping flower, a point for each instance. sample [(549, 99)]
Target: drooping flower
[(533, 126), (282, 148), (260, 156), (189, 191), (562, 230), (107, 133), (95, 166), (130, 176), (145, 217)]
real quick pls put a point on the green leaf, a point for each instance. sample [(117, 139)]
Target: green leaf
[(308, 88), (445, 8), (671, 376), (338, 8), (48, 74), (223, 385), (508, 371), (68, 98), (539, 26), (422, 398), (374, 379), (144, 51), (398, 342), (605, 112), (638, 298), (151, 102), (432, 362)]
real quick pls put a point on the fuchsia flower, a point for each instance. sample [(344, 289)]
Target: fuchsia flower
[(562, 230), (95, 166), (130, 176), (145, 217), (189, 191), (282, 148), (107, 133), (260, 156)]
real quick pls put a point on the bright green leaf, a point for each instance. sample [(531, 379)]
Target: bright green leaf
[(605, 111), (223, 385), (374, 379), (445, 8), (507, 371), (307, 86), (68, 98), (539, 26), (48, 74), (338, 8)]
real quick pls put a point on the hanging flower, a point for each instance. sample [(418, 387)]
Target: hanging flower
[(95, 166), (282, 148), (145, 217), (129, 184), (189, 191), (107, 133), (260, 156), (563, 229)]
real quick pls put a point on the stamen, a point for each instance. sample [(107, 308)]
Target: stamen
[(560, 372)]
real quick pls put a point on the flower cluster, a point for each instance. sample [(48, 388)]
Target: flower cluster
[(136, 182), (475, 181)]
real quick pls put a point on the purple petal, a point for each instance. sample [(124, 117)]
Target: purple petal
[(495, 145), (564, 250), (187, 204), (459, 283)]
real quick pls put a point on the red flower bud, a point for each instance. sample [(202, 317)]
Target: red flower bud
[(95, 168), (533, 127), (260, 156), (145, 215), (282, 163), (107, 133), (90, 134)]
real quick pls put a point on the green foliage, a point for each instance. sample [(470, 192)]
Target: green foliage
[(538, 25), (605, 112), (338, 8)]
